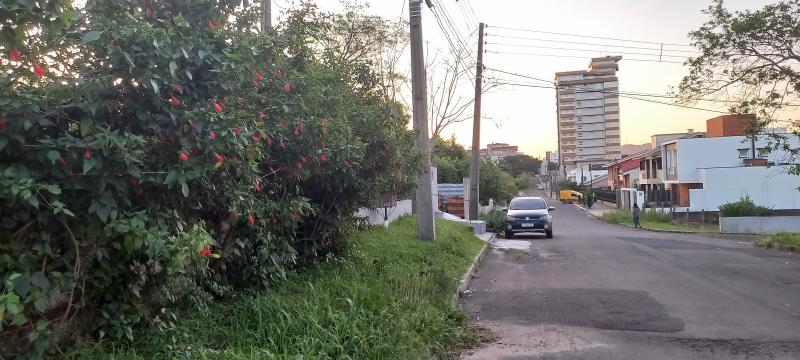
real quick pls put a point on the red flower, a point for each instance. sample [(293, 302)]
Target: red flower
[(62, 161), (258, 187), (251, 219), (261, 115), (217, 107), (205, 252), (133, 181), (14, 55), (259, 75), (38, 70), (321, 122), (212, 135), (269, 141), (218, 157), (323, 157), (324, 131), (211, 25), (299, 165), (2, 123), (296, 131), (176, 87), (283, 147), (87, 154), (256, 138), (174, 101), (287, 87), (283, 124), (184, 156), (149, 12), (303, 159), (346, 164), (237, 132)]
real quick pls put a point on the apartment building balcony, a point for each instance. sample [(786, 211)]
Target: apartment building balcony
[(651, 177)]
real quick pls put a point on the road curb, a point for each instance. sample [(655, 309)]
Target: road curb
[(466, 279)]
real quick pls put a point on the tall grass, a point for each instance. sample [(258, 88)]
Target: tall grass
[(784, 241), (626, 217), (495, 220), (387, 299)]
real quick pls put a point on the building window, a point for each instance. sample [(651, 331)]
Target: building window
[(744, 153), (763, 152)]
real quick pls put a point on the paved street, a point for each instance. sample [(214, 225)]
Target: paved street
[(599, 291)]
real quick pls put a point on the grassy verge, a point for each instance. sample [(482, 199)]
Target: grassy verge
[(782, 241), (654, 220), (388, 299)]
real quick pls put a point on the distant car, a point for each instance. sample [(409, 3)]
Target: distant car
[(540, 186), (529, 214)]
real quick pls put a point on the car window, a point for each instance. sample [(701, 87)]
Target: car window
[(528, 204)]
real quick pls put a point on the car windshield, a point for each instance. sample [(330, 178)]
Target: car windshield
[(528, 204)]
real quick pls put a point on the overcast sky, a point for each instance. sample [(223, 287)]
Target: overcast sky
[(527, 116)]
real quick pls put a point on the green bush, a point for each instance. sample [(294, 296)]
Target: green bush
[(388, 298), (495, 221), (522, 181), (569, 185), (744, 207), (626, 217), (168, 156)]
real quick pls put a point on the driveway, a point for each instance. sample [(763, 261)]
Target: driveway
[(599, 291)]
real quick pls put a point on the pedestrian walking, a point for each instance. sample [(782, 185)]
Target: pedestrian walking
[(636, 212)]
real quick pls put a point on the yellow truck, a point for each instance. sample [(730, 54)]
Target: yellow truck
[(569, 196)]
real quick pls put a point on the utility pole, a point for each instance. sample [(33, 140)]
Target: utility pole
[(266, 15), (475, 163), (419, 94)]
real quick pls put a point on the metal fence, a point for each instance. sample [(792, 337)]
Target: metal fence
[(609, 196)]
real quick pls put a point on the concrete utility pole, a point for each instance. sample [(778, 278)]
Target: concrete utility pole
[(475, 163), (419, 94), (266, 15)]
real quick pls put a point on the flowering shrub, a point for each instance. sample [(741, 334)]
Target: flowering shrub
[(155, 155)]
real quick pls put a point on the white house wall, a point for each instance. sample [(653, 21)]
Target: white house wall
[(698, 153), (767, 186)]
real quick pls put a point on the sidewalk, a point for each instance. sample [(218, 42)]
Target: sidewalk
[(599, 208)]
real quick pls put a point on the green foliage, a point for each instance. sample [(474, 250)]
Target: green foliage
[(783, 241), (522, 181), (451, 159), (744, 207), (521, 164), (749, 57), (588, 198), (388, 299), (169, 156), (569, 185), (495, 221), (626, 217), (496, 184)]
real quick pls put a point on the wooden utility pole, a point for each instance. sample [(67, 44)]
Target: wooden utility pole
[(419, 94), (475, 163), (266, 15)]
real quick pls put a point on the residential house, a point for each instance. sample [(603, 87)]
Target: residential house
[(704, 172)]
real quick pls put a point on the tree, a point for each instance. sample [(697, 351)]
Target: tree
[(552, 166), (749, 58), (519, 164), (451, 159), (495, 183)]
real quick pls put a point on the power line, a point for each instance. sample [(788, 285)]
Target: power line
[(455, 31), (590, 50), (555, 86), (468, 5), (589, 36), (453, 47), (579, 57), (660, 50)]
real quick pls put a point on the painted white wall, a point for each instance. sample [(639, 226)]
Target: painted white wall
[(767, 186), (759, 225), (698, 153), (376, 215)]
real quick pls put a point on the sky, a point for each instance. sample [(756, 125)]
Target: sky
[(526, 116)]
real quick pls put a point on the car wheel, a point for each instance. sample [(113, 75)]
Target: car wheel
[(549, 234), (509, 235)]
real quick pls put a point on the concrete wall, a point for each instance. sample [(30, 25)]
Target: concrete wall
[(376, 215), (698, 153), (772, 187), (759, 225)]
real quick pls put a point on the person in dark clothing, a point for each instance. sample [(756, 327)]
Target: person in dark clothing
[(636, 212)]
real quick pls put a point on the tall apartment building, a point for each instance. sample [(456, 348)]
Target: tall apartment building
[(588, 113)]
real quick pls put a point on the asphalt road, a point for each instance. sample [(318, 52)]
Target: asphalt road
[(599, 291)]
